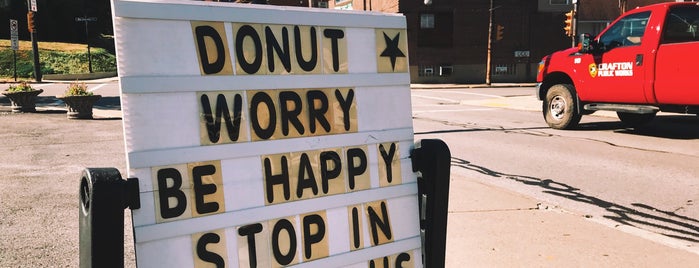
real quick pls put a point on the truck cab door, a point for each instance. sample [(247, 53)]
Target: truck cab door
[(677, 60), (615, 71)]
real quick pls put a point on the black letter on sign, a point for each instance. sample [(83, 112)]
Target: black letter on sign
[(282, 259), (317, 113), (201, 189), (290, 115), (345, 105), (208, 67), (334, 34), (164, 193), (375, 220), (208, 256), (326, 173), (387, 159), (306, 182), (355, 167), (373, 265), (273, 46), (272, 112), (282, 179), (403, 257), (248, 67), (356, 239), (250, 231), (213, 125), (310, 64), (308, 237)]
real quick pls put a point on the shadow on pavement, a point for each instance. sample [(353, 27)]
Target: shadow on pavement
[(681, 127), (643, 216)]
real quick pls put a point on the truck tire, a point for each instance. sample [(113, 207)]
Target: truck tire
[(635, 120), (559, 107)]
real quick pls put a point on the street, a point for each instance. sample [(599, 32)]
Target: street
[(521, 194), (644, 179)]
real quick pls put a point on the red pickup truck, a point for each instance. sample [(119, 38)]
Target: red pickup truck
[(644, 62)]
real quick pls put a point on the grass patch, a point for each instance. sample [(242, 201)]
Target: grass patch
[(55, 58)]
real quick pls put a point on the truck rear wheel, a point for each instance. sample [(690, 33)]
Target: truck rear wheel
[(635, 120), (559, 107)]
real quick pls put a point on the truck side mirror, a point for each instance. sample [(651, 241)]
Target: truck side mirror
[(586, 43)]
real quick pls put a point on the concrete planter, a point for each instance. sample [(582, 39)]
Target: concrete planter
[(23, 101), (79, 107)]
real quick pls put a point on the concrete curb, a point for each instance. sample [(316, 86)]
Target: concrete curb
[(452, 86), (80, 77)]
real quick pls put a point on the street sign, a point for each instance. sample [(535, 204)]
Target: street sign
[(521, 53), (33, 5), (14, 35), (13, 27), (266, 136), (83, 19)]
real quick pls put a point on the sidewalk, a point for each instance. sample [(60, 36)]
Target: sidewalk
[(488, 226)]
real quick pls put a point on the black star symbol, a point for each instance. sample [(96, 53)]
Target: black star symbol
[(392, 49)]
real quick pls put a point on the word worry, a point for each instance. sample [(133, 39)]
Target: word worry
[(275, 114)]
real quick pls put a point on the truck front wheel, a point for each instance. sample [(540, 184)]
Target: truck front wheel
[(635, 120), (559, 107)]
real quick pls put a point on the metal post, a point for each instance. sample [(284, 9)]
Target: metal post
[(574, 24), (35, 53), (14, 57), (86, 20), (103, 198), (433, 160), (32, 8), (87, 40)]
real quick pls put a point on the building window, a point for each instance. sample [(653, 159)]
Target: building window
[(427, 21), (559, 2), (436, 30), (425, 70), (504, 69), (445, 70)]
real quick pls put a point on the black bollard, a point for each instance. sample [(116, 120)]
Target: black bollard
[(432, 159), (103, 198)]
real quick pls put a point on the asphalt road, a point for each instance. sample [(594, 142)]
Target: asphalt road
[(645, 179)]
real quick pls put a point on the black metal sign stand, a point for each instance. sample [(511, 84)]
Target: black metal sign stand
[(433, 160), (104, 196)]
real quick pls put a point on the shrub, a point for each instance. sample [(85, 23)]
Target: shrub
[(77, 89), (21, 87)]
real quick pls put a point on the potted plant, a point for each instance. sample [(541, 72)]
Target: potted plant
[(23, 97), (79, 101)]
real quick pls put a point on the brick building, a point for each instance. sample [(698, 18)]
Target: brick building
[(448, 39)]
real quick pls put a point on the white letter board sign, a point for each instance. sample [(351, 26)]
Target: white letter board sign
[(267, 136)]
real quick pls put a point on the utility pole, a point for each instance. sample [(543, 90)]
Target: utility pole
[(622, 7), (31, 23), (575, 23), (490, 43)]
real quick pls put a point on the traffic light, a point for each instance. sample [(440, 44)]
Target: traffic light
[(569, 23), (499, 32), (30, 21)]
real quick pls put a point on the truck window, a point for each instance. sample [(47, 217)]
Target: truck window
[(626, 32), (681, 25)]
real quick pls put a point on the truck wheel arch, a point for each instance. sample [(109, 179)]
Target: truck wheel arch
[(551, 80)]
